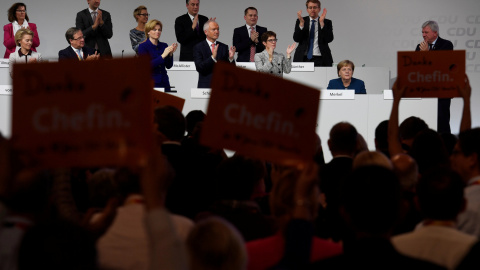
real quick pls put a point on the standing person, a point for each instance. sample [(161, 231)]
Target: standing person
[(24, 54), (160, 53), (270, 61), (96, 25), (432, 42), (208, 52), (18, 18), (137, 34), (246, 38), (188, 29), (313, 33)]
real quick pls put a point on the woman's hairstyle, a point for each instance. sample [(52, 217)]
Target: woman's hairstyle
[(151, 25), (345, 63), (20, 33), (12, 11), (138, 11), (268, 34)]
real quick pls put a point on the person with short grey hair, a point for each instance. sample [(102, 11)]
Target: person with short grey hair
[(433, 42)]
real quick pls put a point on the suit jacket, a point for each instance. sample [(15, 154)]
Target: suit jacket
[(355, 84), (100, 35), (9, 39), (159, 64), (279, 65), (302, 36), (243, 42), (440, 45), (187, 37), (202, 55), (69, 53)]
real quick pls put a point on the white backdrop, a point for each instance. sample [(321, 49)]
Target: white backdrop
[(368, 32)]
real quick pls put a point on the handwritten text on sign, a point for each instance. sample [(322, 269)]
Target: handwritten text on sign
[(432, 73), (64, 119), (261, 116)]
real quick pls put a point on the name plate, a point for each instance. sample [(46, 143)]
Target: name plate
[(6, 90), (159, 89), (303, 66), (201, 92), (337, 94), (4, 62), (246, 65), (388, 95), (183, 66)]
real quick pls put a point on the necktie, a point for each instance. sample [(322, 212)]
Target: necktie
[(80, 57), (312, 36), (252, 48), (430, 47), (213, 47), (94, 16)]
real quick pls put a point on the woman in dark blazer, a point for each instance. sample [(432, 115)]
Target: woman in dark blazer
[(18, 18), (345, 71), (160, 53)]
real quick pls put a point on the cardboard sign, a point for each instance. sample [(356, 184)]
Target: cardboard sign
[(162, 99), (82, 114), (432, 73), (261, 116)]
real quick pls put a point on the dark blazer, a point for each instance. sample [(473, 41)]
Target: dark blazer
[(302, 36), (9, 39), (68, 53), (159, 73), (202, 55), (187, 37), (100, 36), (243, 42), (355, 84), (440, 45)]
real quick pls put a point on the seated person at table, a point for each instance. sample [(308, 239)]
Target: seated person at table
[(345, 71), (24, 54), (269, 61)]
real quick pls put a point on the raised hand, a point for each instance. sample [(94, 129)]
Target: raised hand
[(424, 46), (290, 49), (95, 56), (300, 18), (195, 22), (322, 17), (214, 53), (231, 53)]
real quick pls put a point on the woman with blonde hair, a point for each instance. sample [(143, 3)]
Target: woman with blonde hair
[(18, 18), (24, 54), (137, 34)]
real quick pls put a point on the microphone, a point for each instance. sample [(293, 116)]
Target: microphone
[(122, 53)]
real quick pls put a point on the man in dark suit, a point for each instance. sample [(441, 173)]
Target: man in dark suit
[(96, 25), (77, 49), (432, 42), (208, 52), (313, 33), (246, 38), (189, 30)]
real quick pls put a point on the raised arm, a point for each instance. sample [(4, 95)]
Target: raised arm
[(465, 92), (394, 145)]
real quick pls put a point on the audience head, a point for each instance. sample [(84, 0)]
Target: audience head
[(251, 16), (238, 177), (57, 245), (193, 6), (408, 129), (18, 11), (101, 187), (381, 137), (316, 2), (440, 194), (75, 37), (27, 33), (93, 4), (372, 158), (371, 200), (214, 244), (465, 158), (269, 39), (343, 139), (406, 169), (343, 66), (428, 150), (430, 31), (212, 30), (151, 25), (140, 13), (170, 122), (192, 119)]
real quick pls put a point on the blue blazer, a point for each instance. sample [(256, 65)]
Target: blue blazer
[(355, 84), (202, 56), (68, 53), (243, 42), (159, 64)]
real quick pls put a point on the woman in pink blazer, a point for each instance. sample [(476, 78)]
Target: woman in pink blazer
[(18, 18)]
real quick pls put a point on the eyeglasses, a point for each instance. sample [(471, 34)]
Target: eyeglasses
[(79, 38), (145, 14), (21, 10), (272, 40)]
